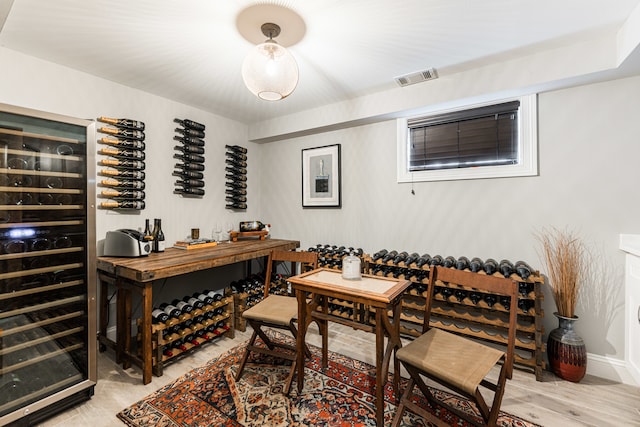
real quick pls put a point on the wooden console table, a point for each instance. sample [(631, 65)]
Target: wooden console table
[(313, 289), (140, 274)]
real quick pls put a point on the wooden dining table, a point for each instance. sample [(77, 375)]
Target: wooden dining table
[(313, 291)]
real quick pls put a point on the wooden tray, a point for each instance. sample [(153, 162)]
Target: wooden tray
[(235, 235)]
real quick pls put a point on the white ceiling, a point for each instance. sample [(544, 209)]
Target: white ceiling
[(191, 51)]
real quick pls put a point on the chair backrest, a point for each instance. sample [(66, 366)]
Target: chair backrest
[(307, 260), (499, 286)]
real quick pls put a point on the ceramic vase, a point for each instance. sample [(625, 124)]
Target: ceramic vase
[(566, 350)]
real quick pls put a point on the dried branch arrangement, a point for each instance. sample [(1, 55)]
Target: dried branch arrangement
[(567, 261)]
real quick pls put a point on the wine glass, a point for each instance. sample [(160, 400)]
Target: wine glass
[(217, 230)]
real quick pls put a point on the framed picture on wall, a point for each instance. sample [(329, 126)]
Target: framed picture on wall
[(321, 177)]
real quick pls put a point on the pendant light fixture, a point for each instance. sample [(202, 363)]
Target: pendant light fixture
[(270, 71)]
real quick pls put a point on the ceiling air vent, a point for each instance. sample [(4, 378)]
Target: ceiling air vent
[(417, 77)]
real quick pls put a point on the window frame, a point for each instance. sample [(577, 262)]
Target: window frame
[(527, 147)]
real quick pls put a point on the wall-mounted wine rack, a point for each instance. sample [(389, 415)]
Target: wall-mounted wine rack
[(123, 165), (191, 154), (236, 175)]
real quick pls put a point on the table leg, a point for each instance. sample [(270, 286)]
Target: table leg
[(147, 347), (302, 332), (380, 381)]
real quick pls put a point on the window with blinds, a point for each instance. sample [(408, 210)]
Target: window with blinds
[(492, 140), (486, 136)]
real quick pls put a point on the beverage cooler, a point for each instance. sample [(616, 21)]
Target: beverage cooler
[(47, 264)]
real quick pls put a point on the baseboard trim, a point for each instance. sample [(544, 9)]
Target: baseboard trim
[(610, 369)]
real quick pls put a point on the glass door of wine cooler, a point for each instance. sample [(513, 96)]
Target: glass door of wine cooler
[(47, 264)]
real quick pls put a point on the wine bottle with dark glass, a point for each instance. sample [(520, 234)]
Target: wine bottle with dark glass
[(148, 234), (423, 260), (123, 204), (123, 194), (190, 166), (462, 263), (189, 124), (523, 269), (190, 183), (412, 258), (402, 256), (191, 191), (122, 153), (191, 132), (190, 140), (158, 236), (122, 133), (132, 144), (194, 149), (123, 163), (236, 148), (123, 173), (187, 174), (123, 183), (189, 158), (159, 316), (449, 262), (490, 266), (436, 260), (506, 268), (475, 264), (389, 256)]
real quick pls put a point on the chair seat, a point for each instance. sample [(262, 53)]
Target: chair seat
[(276, 309), (462, 361)]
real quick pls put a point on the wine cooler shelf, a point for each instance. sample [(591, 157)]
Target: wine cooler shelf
[(236, 176), (190, 152), (188, 331), (123, 164)]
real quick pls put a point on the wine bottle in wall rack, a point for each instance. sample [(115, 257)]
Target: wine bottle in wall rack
[(236, 171), (190, 183), (236, 163), (236, 206), (189, 140), (124, 153), (123, 123), (133, 144), (236, 148), (123, 194), (189, 158), (123, 173), (236, 184), (123, 204), (189, 149), (236, 192), (235, 177), (189, 174), (123, 163), (123, 133), (191, 132), (236, 156), (236, 199), (189, 166), (189, 124), (191, 191), (123, 183)]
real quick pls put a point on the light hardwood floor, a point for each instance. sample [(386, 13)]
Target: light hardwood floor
[(551, 402)]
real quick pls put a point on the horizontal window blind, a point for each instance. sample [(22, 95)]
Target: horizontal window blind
[(485, 136)]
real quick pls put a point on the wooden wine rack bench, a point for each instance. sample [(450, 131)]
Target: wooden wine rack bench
[(469, 313), (158, 341)]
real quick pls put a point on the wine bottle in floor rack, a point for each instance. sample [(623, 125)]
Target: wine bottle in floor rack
[(389, 256), (132, 144), (423, 260), (449, 262), (123, 123), (190, 140), (490, 266), (402, 256), (523, 269), (378, 255), (123, 133), (190, 124), (506, 268), (412, 258), (475, 265), (462, 263), (436, 260)]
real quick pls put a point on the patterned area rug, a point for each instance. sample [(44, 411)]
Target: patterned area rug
[(343, 395)]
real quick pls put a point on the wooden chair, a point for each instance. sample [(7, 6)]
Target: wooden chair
[(278, 312), (458, 363)]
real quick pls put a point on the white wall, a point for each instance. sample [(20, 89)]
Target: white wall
[(588, 181)]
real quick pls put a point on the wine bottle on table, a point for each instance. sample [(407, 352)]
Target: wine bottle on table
[(123, 123), (123, 204), (132, 144), (188, 174), (191, 132), (158, 236), (123, 163), (123, 183), (123, 173), (148, 234), (190, 140), (189, 124), (123, 194), (194, 149), (123, 133), (189, 158), (251, 226), (124, 153)]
